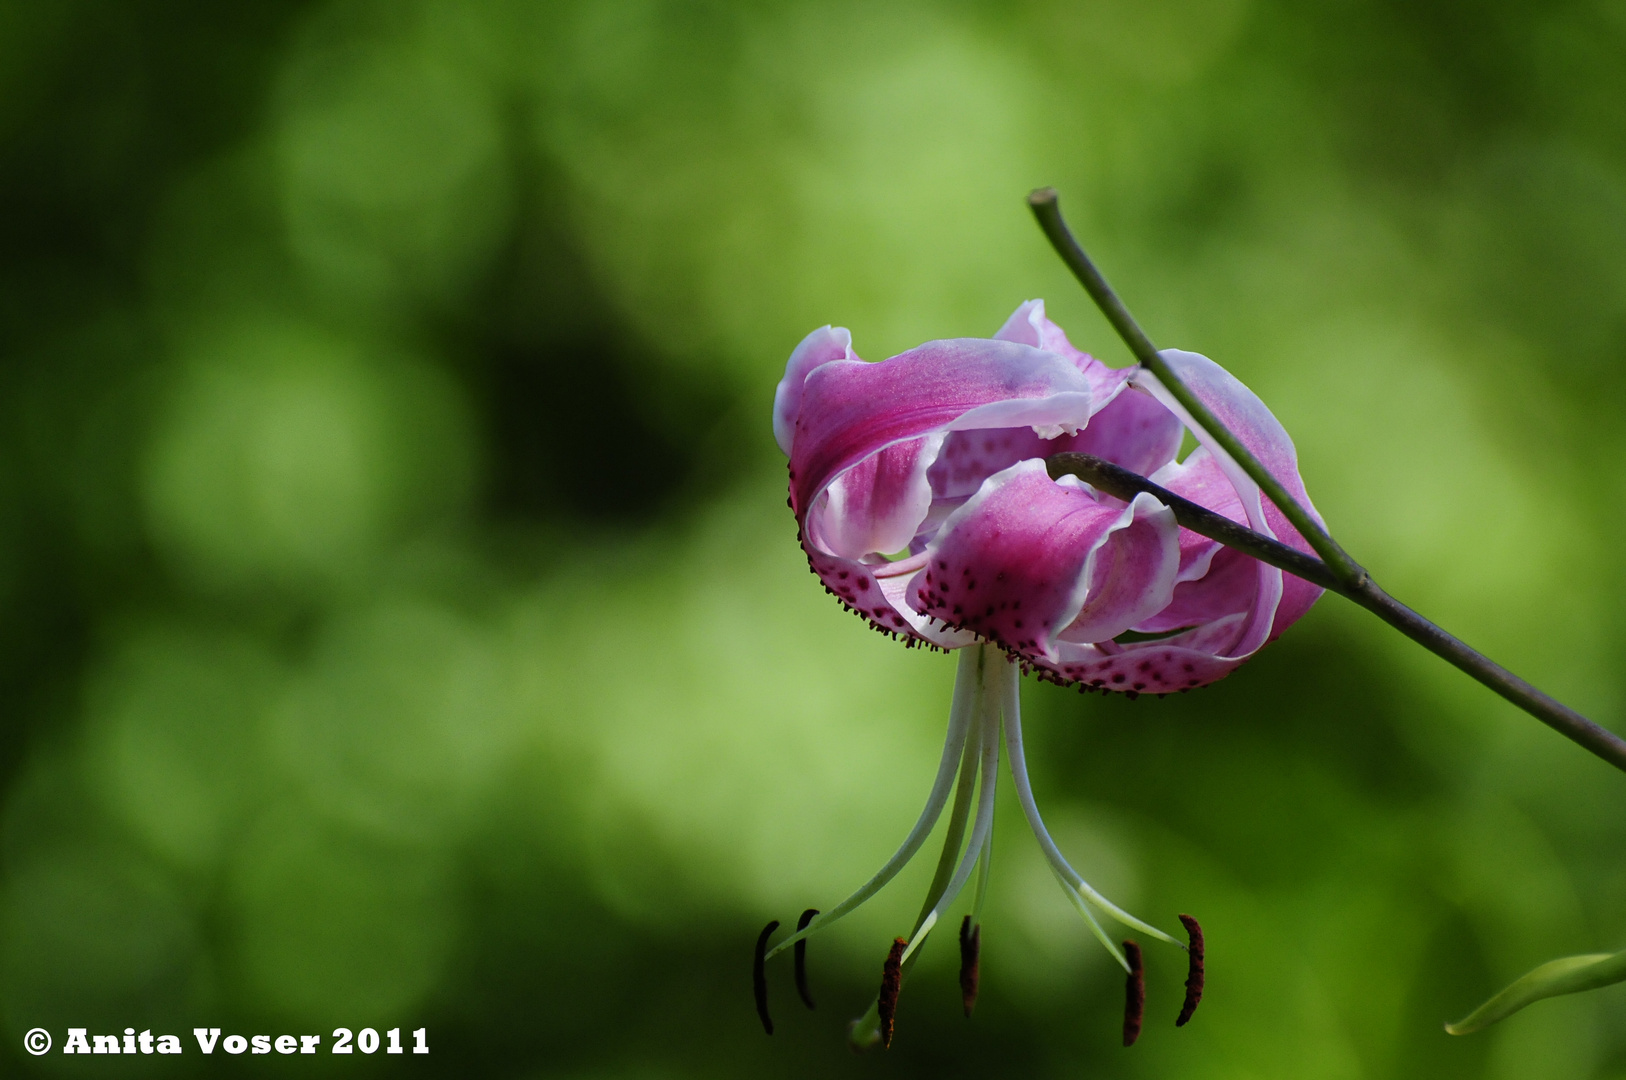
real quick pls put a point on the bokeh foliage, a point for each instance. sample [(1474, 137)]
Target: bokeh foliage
[(402, 625)]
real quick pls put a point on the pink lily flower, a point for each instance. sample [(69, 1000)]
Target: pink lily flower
[(923, 504), (938, 455)]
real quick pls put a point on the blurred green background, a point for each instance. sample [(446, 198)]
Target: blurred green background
[(402, 624)]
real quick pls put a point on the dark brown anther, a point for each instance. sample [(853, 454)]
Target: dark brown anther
[(891, 983), (1194, 973), (801, 958), (970, 952), (759, 975), (1134, 994)]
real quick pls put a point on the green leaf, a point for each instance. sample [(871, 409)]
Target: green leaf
[(1564, 976)]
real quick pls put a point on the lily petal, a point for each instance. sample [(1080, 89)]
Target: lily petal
[(1133, 430), (1214, 581), (823, 345), (970, 457), (1240, 410), (851, 411), (1028, 561), (1153, 667), (1262, 602), (1028, 325), (877, 504)]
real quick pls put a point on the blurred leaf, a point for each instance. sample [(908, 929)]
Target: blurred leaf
[(1568, 975)]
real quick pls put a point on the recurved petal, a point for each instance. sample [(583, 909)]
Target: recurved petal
[(1133, 430), (1227, 586), (1213, 581), (1028, 562), (970, 457), (851, 410), (876, 505), (1028, 325), (878, 593), (823, 345), (1181, 662), (1279, 601), (1200, 479), (1240, 409)]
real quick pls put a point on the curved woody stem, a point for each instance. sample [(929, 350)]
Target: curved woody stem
[(1334, 571), (1048, 210)]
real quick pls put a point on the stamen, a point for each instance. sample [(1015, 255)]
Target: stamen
[(984, 864), (982, 825), (1091, 921), (918, 938), (759, 975), (968, 691), (1134, 994), (801, 959), (1071, 879), (970, 952), (1194, 973), (891, 983)]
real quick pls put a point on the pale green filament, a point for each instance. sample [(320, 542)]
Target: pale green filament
[(962, 717), (982, 828), (1072, 882), (986, 706), (973, 670)]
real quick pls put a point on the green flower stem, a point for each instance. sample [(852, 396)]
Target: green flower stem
[(1048, 210), (1123, 484)]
